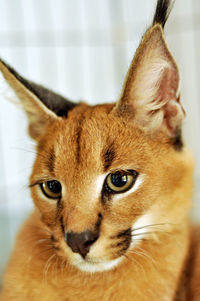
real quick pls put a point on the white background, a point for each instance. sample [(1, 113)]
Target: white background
[(82, 49)]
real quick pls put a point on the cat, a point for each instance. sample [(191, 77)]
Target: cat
[(112, 188)]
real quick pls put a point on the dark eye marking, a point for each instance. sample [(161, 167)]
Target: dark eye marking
[(98, 223), (62, 224), (108, 156), (51, 160)]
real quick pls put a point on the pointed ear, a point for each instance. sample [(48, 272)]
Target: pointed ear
[(41, 105), (150, 93)]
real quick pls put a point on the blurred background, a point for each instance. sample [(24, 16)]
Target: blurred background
[(82, 49)]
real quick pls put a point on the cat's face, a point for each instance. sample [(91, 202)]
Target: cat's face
[(82, 152), (107, 178)]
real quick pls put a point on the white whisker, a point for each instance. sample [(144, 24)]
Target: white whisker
[(47, 266)]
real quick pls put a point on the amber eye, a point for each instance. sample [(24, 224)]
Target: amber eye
[(120, 181), (52, 189)]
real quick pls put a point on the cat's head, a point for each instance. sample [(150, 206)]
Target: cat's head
[(108, 177)]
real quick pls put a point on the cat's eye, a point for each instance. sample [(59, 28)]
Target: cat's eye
[(120, 181), (51, 189)]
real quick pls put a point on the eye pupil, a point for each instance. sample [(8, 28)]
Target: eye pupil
[(52, 189), (118, 180), (54, 186)]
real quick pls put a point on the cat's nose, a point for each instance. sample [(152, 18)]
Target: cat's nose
[(81, 242)]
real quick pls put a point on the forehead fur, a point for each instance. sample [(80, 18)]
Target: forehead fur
[(95, 133), (94, 140)]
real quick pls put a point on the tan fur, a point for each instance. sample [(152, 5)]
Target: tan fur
[(158, 262), (153, 268)]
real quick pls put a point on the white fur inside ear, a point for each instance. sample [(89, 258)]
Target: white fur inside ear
[(15, 91), (148, 95), (6, 91), (153, 80), (146, 92)]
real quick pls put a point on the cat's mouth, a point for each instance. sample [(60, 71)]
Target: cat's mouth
[(103, 258), (95, 265), (103, 254)]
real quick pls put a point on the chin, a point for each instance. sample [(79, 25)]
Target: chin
[(91, 266)]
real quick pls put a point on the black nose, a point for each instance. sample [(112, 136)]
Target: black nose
[(81, 242)]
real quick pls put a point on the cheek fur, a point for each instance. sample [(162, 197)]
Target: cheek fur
[(141, 227)]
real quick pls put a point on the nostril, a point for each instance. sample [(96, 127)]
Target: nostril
[(90, 240), (81, 242), (90, 236)]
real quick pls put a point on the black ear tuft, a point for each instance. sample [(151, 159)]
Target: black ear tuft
[(163, 9), (53, 101)]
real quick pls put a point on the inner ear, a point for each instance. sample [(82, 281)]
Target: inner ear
[(41, 105), (150, 91)]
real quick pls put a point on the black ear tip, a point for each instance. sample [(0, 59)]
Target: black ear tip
[(162, 12)]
